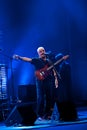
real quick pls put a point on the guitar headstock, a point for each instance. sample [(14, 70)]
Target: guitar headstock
[(65, 57)]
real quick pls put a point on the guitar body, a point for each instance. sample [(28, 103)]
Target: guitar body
[(42, 73)]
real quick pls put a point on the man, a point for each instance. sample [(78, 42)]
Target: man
[(45, 81)]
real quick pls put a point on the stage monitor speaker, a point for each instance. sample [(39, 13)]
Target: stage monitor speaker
[(23, 114), (27, 93)]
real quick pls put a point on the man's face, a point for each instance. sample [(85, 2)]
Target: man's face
[(41, 52)]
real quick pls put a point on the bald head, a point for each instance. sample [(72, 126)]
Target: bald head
[(41, 51)]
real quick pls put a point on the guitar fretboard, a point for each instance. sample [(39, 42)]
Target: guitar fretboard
[(63, 58)]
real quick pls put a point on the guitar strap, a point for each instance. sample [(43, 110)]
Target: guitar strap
[(44, 62)]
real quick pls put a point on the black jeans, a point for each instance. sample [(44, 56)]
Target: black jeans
[(44, 96)]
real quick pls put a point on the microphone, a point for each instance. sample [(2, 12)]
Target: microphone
[(47, 53)]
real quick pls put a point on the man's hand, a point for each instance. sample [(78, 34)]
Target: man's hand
[(16, 57)]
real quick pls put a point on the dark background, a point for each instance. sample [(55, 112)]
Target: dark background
[(59, 26)]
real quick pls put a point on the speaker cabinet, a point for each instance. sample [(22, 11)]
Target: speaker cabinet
[(27, 93), (23, 114)]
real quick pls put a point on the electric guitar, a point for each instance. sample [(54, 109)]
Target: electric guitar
[(44, 72)]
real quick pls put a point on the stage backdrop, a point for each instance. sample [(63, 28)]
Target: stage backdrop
[(59, 26)]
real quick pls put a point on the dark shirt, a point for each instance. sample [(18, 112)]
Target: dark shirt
[(39, 63)]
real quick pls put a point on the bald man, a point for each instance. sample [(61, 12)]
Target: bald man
[(45, 81)]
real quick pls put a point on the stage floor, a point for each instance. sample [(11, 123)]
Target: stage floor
[(54, 123)]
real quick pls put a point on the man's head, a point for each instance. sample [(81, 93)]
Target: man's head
[(41, 52)]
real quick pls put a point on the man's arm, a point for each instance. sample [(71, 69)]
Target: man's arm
[(17, 57)]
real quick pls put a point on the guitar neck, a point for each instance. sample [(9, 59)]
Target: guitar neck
[(55, 64)]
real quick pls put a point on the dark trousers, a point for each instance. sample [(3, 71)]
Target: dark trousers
[(44, 97)]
